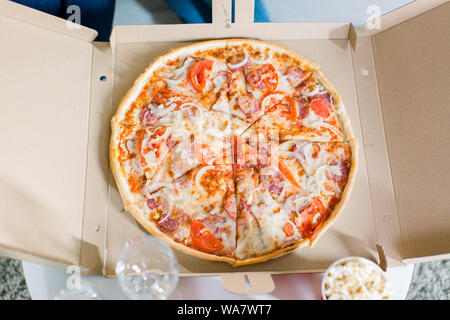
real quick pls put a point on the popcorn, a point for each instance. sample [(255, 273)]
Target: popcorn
[(355, 279)]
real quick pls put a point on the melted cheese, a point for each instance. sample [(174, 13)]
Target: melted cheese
[(222, 104), (284, 84)]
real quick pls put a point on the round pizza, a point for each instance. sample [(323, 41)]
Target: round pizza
[(233, 150)]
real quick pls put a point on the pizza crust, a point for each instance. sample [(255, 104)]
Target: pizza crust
[(125, 191)]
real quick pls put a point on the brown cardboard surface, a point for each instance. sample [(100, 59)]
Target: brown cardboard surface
[(93, 244), (44, 111), (413, 78), (384, 213)]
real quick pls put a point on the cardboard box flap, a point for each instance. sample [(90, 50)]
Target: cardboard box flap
[(382, 205), (413, 68), (39, 19), (45, 82)]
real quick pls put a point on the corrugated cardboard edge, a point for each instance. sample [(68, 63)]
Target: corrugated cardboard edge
[(221, 27), (42, 20), (384, 210), (262, 31), (30, 257), (93, 245), (426, 259)]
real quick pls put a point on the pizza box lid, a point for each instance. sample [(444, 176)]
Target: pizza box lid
[(59, 202)]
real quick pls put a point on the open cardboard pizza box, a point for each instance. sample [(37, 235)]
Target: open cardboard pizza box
[(59, 203)]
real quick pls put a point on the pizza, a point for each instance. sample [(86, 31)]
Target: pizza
[(233, 150)]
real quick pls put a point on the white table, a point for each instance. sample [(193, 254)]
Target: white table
[(46, 282)]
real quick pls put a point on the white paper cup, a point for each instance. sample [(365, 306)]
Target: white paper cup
[(375, 266)]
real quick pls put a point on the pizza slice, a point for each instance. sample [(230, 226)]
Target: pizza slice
[(245, 94), (197, 210), (186, 114), (252, 75), (286, 195), (149, 156), (201, 74), (312, 114), (181, 187)]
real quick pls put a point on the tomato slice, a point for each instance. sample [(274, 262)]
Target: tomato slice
[(288, 229), (279, 101), (203, 239), (307, 226), (288, 174), (293, 109), (271, 78), (320, 107), (199, 74)]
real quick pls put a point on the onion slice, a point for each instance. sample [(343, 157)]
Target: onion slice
[(183, 105), (319, 178), (267, 60), (264, 100), (214, 211), (162, 195), (239, 64), (151, 187), (179, 74), (297, 204), (283, 77), (282, 193), (315, 92), (200, 174)]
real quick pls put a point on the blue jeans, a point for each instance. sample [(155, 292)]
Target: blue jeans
[(98, 14), (95, 14), (199, 11)]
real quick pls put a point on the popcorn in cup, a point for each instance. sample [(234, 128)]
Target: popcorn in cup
[(355, 278)]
